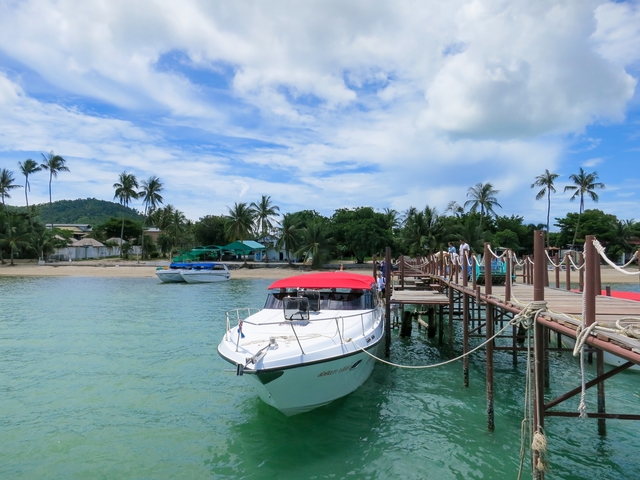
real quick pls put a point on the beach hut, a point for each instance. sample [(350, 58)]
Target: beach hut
[(87, 248), (246, 248)]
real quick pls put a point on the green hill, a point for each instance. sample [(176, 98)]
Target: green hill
[(90, 210)]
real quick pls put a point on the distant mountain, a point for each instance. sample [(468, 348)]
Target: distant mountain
[(90, 210)]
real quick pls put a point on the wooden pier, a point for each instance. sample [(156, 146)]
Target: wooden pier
[(564, 314)]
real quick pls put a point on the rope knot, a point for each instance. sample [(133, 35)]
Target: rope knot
[(527, 317)]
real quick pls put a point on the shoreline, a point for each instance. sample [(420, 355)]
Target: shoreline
[(132, 269)]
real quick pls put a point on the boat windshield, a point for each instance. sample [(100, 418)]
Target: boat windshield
[(336, 299)]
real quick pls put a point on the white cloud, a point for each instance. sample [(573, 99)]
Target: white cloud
[(357, 102), (618, 32), (592, 162)]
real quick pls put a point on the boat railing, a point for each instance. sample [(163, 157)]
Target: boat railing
[(235, 316), (341, 322)]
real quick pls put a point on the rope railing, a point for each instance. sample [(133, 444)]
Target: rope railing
[(495, 255), (601, 250), (555, 265), (574, 264)]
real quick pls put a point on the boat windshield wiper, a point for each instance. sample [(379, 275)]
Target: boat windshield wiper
[(295, 308)]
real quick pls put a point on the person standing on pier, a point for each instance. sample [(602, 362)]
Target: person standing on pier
[(381, 284), (451, 250), (464, 247)]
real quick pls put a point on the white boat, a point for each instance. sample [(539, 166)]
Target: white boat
[(308, 345), (206, 273), (608, 358), (171, 273)]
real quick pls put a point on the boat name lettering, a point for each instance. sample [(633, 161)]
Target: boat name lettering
[(333, 372)]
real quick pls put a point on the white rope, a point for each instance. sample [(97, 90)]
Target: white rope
[(556, 265), (526, 318), (600, 249), (574, 264), (495, 255), (519, 263)]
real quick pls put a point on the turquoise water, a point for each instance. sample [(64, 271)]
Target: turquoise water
[(119, 378)]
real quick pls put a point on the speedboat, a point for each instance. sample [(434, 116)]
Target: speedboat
[(206, 273), (171, 273), (313, 342)]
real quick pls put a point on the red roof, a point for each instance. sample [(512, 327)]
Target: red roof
[(326, 280)]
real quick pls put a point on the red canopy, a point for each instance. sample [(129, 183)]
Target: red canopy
[(326, 280)]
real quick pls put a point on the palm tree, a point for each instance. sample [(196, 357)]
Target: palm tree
[(415, 234), (289, 236), (15, 235), (240, 220), (264, 213), (42, 240), (176, 226), (483, 197), (314, 244), (546, 182), (454, 207), (6, 184), (162, 217), (151, 199), (392, 218), (54, 164), (125, 192), (27, 168), (407, 214), (583, 184)]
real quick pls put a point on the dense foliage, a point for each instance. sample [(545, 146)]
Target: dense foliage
[(306, 235), (86, 211)]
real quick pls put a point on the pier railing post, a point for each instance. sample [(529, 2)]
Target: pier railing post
[(508, 280), (557, 269), (539, 268), (465, 319), (592, 288), (375, 267), (592, 263), (474, 280), (567, 273), (387, 297), (489, 334), (581, 273)]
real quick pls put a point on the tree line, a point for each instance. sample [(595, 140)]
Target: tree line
[(355, 233)]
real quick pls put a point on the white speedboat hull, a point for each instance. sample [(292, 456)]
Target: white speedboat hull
[(170, 276), (305, 387), (193, 276), (609, 358)]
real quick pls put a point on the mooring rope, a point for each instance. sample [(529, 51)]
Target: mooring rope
[(526, 318)]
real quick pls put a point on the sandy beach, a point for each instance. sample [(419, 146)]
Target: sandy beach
[(131, 268)]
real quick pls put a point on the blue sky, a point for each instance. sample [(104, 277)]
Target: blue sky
[(324, 104)]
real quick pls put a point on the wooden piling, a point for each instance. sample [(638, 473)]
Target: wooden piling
[(407, 324)]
